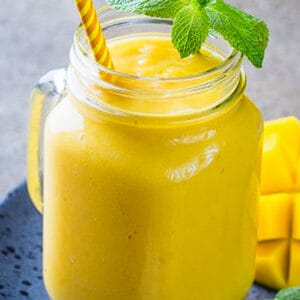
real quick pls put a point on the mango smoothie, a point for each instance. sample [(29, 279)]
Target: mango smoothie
[(139, 210)]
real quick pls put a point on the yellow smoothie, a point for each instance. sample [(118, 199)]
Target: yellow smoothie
[(142, 212)]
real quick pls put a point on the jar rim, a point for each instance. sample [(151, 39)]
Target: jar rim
[(232, 59)]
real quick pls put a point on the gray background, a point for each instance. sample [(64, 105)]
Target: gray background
[(37, 37)]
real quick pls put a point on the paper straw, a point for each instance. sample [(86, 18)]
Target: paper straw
[(94, 32)]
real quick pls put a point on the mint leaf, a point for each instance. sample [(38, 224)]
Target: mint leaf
[(190, 30), (289, 294), (244, 32), (154, 8)]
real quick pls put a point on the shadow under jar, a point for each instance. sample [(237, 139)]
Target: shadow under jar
[(149, 186)]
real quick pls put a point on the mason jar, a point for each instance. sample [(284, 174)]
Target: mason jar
[(148, 186)]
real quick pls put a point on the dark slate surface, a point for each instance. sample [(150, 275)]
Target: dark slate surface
[(38, 37), (20, 248), (21, 251)]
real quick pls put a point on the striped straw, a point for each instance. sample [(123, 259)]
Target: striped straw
[(94, 32)]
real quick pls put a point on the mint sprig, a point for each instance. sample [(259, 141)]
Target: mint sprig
[(194, 19), (288, 294)]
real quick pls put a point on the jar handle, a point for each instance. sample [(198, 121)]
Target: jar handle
[(44, 96)]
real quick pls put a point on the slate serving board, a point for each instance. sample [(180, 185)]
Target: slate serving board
[(21, 251)]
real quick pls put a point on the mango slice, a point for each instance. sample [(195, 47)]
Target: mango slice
[(278, 250)]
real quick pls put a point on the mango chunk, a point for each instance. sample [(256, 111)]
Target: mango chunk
[(278, 250), (296, 218), (275, 216), (298, 176), (294, 271), (275, 171), (288, 129), (272, 263), (280, 155)]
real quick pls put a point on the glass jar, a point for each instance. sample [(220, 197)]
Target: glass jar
[(149, 186)]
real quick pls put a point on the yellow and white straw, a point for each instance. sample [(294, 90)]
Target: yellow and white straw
[(94, 32)]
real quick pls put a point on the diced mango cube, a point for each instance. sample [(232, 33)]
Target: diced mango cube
[(275, 215), (275, 172), (298, 175), (280, 155), (272, 263), (296, 218), (294, 272), (288, 129), (294, 268)]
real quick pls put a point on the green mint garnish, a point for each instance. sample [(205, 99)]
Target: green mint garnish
[(288, 294), (195, 19)]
